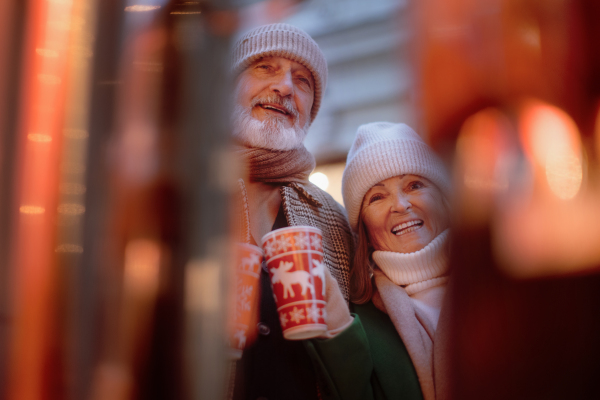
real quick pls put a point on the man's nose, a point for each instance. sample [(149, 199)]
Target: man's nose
[(283, 84), (400, 203)]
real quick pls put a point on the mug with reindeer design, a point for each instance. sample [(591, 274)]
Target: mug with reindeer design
[(294, 257), (244, 301)]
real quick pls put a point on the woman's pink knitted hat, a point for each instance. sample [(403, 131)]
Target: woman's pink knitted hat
[(382, 150)]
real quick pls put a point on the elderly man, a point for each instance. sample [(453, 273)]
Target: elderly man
[(280, 79)]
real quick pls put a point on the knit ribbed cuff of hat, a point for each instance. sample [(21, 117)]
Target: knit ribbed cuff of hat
[(408, 268)]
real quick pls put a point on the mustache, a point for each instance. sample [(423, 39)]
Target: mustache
[(273, 98)]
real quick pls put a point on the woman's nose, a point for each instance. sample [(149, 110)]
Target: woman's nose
[(401, 203), (283, 84)]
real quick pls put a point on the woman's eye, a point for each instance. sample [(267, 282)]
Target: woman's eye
[(375, 197), (415, 185)]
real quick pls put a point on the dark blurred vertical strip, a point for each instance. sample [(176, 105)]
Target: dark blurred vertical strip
[(77, 293), (205, 168), (12, 14), (134, 212), (90, 280), (159, 107)]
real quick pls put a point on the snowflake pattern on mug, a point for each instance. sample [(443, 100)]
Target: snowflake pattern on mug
[(270, 248), (315, 242), (243, 297), (324, 314), (297, 315), (284, 243), (283, 319), (313, 313), (301, 240), (310, 313)]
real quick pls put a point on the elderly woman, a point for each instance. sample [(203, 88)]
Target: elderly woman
[(395, 190)]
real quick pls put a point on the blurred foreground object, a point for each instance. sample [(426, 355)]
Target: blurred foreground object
[(114, 176), (510, 93)]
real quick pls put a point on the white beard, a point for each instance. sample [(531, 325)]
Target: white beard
[(268, 134)]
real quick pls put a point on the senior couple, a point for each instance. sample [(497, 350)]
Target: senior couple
[(387, 258)]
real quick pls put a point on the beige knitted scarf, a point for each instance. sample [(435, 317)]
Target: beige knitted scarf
[(276, 166), (426, 345)]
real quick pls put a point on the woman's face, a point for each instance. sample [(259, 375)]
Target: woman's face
[(404, 213)]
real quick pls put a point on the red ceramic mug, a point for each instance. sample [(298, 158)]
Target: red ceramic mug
[(294, 258)]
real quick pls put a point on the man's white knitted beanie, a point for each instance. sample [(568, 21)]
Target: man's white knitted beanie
[(382, 150), (283, 40)]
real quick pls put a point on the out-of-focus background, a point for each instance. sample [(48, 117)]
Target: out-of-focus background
[(115, 182), (366, 45)]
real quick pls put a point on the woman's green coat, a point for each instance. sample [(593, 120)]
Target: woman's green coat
[(368, 360)]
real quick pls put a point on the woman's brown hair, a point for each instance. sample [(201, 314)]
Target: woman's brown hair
[(361, 286)]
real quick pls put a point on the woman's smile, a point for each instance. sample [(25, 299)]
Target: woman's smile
[(407, 227), (404, 213)]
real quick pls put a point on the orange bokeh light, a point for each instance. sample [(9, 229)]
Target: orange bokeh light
[(552, 141)]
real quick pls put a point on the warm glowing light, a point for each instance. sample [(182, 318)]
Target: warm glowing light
[(39, 137), (564, 174), (142, 262), (530, 34), (81, 51), (60, 25), (552, 139), (76, 133), (49, 79), (69, 248), (73, 168), (47, 53), (333, 173), (597, 131), (34, 210), (202, 286), (141, 8), (71, 209), (488, 185), (319, 179), (72, 188), (185, 12), (480, 149)]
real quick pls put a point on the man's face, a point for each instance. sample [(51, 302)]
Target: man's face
[(274, 98)]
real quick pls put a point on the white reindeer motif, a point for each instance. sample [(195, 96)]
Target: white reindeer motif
[(319, 270), (287, 279), (240, 335), (249, 263)]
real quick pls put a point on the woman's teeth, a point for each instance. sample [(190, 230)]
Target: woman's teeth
[(406, 227)]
